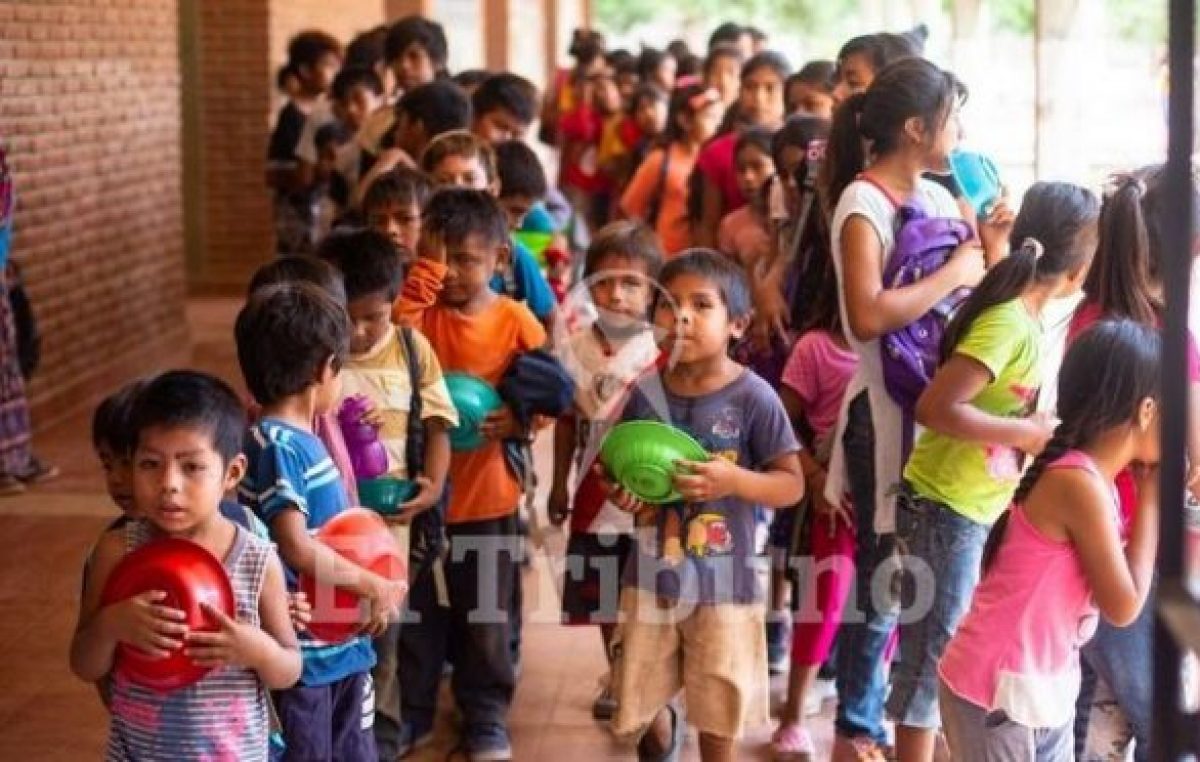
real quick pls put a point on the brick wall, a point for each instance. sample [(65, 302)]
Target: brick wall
[(89, 110)]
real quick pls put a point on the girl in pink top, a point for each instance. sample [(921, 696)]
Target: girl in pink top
[(1010, 674), (743, 234)]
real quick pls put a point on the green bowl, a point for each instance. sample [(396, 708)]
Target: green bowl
[(641, 457), (385, 494), (473, 398)]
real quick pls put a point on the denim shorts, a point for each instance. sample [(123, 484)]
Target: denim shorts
[(977, 735), (940, 552)]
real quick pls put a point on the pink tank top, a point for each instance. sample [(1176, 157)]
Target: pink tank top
[(1017, 649)]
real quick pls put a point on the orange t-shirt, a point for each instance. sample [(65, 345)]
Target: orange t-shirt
[(481, 485), (674, 231)]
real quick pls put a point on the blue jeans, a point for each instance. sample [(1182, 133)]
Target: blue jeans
[(865, 630), (941, 552)]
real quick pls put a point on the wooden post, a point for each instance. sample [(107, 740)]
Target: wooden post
[(1053, 28), (396, 9), (495, 34)]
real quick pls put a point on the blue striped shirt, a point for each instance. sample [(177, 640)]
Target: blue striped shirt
[(290, 469)]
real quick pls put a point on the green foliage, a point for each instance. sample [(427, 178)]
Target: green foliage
[(797, 16)]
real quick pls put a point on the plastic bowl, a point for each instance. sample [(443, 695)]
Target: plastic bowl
[(385, 494), (361, 537), (473, 398), (189, 575), (641, 457)]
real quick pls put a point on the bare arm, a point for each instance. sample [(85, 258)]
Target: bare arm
[(712, 208), (281, 665), (778, 485)]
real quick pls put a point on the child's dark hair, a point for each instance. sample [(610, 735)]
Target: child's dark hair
[(455, 213), (1129, 256), (884, 48), (351, 77), (192, 399), (112, 423), (282, 75), (422, 31), (647, 91), (815, 74), (728, 33), (680, 105), (711, 265), (1048, 233), (756, 137), (308, 47), (679, 48), (586, 46), (369, 261), (333, 133), (520, 171), (625, 238), (912, 87), (1107, 372), (721, 52), (622, 61), (403, 185), (649, 62), (688, 65), (299, 269), (799, 132), (439, 106), (768, 59), (286, 334), (470, 78), (463, 143), (510, 92), (815, 305), (365, 51)]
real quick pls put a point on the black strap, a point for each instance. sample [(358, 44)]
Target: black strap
[(428, 530)]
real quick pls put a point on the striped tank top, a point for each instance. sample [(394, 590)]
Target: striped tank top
[(221, 718)]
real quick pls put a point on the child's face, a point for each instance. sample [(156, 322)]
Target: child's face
[(855, 74), (608, 97), (179, 479), (621, 290), (317, 78), (942, 138), (695, 319), (370, 317), (414, 67), (754, 168), (627, 83), (515, 209), (651, 116), (761, 97), (702, 124), (326, 160), (359, 103), (461, 172), (470, 264), (725, 77), (118, 477), (810, 100), (664, 75), (499, 125), (399, 221)]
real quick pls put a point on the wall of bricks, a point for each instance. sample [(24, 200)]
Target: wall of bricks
[(89, 111)]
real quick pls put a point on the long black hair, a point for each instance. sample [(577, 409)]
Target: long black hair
[(911, 87), (1107, 372), (1050, 243)]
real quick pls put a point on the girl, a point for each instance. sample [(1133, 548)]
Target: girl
[(1055, 560), (978, 419), (743, 234), (581, 177), (189, 428), (657, 67), (657, 194), (722, 70), (759, 104), (909, 117), (814, 383), (862, 58)]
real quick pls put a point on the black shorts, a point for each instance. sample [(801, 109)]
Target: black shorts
[(592, 577)]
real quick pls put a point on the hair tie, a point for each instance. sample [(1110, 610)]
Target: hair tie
[(1035, 247)]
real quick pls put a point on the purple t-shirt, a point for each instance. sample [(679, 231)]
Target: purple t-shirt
[(743, 421)]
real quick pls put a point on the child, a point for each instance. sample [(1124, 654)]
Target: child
[(393, 204), (809, 92), (382, 363), (698, 626), (314, 57), (189, 427), (522, 181), (722, 72), (473, 330), (861, 59), (415, 48), (357, 94), (604, 358), (292, 340), (743, 234), (504, 105), (657, 67), (1056, 559), (581, 176), (658, 192), (978, 417), (866, 459), (627, 136), (759, 104), (462, 160)]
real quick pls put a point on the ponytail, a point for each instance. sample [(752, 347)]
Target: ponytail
[(845, 155), (1120, 279), (1004, 282)]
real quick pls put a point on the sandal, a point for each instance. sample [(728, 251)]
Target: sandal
[(38, 472), (678, 736), (792, 743), (10, 486)]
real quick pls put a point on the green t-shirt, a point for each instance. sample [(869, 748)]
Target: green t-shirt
[(978, 480)]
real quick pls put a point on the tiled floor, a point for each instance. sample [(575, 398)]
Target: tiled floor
[(46, 714)]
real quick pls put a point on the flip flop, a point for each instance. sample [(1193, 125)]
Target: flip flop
[(10, 486), (38, 472), (678, 736)]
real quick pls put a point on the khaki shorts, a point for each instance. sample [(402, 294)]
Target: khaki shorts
[(715, 654)]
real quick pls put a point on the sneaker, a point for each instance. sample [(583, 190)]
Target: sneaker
[(822, 691), (487, 743), (413, 736), (777, 647), (860, 749), (792, 743), (605, 705)]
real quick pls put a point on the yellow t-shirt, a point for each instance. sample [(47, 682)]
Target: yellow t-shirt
[(382, 375)]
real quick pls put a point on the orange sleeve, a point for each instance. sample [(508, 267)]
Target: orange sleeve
[(635, 202), (419, 292), (530, 333)]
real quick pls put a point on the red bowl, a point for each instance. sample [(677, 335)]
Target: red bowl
[(361, 537), (189, 575)]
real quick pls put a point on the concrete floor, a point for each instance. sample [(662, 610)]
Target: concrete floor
[(47, 714)]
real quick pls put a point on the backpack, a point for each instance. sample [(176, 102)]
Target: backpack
[(911, 354), (427, 532)]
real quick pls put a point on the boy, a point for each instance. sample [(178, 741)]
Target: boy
[(698, 626), (416, 51), (315, 57), (473, 330), (504, 105), (460, 159), (379, 369), (393, 204), (809, 92), (292, 339), (604, 358)]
